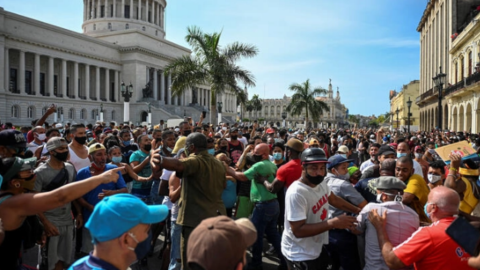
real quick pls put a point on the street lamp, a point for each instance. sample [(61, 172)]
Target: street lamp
[(409, 105), (219, 106), (397, 111), (439, 80), (284, 116), (127, 92)]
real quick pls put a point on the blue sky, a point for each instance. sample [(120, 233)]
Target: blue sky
[(366, 47)]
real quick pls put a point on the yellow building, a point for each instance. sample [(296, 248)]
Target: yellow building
[(398, 101)]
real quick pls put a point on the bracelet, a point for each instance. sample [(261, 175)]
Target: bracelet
[(161, 160), (453, 169)]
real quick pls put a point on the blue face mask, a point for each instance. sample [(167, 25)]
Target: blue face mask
[(277, 156), (117, 159), (126, 143), (425, 210), (399, 155), (211, 151)]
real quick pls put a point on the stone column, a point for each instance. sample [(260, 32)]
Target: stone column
[(106, 8), (131, 9), (107, 84), (50, 75), (6, 73), (114, 15), (154, 5), (155, 84), (36, 75), (75, 80), (146, 11), (87, 81), (159, 6), (116, 87), (99, 5), (85, 9), (122, 10), (169, 85), (139, 10), (97, 82), (21, 73), (162, 87), (64, 78)]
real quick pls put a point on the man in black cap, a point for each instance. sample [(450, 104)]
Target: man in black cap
[(384, 152), (12, 143), (306, 214), (401, 223)]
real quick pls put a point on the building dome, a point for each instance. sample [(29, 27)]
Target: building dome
[(102, 17)]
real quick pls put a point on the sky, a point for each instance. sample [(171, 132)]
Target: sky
[(366, 47)]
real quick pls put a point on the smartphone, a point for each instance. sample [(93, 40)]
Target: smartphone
[(204, 113), (464, 234)]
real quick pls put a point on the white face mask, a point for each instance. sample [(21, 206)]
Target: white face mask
[(224, 128), (379, 198), (432, 178), (418, 155), (41, 137)]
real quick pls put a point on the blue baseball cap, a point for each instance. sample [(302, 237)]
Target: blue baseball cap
[(337, 159), (117, 214)]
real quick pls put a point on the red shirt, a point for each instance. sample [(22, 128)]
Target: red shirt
[(30, 136), (290, 172), (431, 248)]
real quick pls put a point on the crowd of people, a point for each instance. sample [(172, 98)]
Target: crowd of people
[(99, 196)]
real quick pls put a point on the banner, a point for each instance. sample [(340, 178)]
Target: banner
[(461, 148)]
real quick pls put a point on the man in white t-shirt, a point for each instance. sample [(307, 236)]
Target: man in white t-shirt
[(306, 214)]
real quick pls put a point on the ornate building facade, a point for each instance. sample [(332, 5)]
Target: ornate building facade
[(122, 41), (273, 108)]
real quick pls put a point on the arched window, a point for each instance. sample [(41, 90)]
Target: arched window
[(71, 113), (127, 26), (31, 112), (113, 116), (94, 114), (83, 114), (44, 110), (15, 111)]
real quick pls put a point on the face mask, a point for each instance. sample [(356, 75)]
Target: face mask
[(81, 140), (379, 198), (223, 148), (240, 133), (144, 133), (314, 179), (344, 156), (425, 210), (147, 147), (224, 128), (211, 151), (117, 159), (345, 176), (126, 143), (431, 151), (277, 156), (61, 156), (399, 155), (234, 137), (432, 178), (186, 132), (60, 130), (142, 248), (89, 139), (257, 158), (150, 136), (41, 137)]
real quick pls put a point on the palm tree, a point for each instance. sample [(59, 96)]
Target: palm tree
[(256, 105), (304, 101), (211, 65)]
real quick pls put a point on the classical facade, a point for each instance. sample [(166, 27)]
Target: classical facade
[(122, 41), (398, 102), (449, 38), (273, 108)]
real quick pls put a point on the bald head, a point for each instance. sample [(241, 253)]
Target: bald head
[(263, 150), (198, 140), (446, 199)]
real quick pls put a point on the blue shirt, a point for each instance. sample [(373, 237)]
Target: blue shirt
[(229, 194), (140, 156), (91, 262), (367, 191), (92, 196)]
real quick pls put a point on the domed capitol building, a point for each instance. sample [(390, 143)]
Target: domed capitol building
[(272, 110), (82, 73)]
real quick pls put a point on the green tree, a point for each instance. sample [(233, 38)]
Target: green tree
[(353, 119), (381, 119), (254, 105), (212, 65), (303, 100)]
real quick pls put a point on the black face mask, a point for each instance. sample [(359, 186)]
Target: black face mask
[(61, 156), (147, 147), (81, 140), (186, 132), (257, 158), (234, 137), (223, 148), (314, 179)]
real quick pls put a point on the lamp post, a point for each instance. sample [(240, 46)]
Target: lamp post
[(398, 123), (439, 80), (126, 94), (409, 105), (219, 106), (101, 112), (149, 120), (284, 116)]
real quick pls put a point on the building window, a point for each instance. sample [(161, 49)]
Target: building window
[(138, 18), (111, 11), (456, 72), (28, 82), (13, 80), (31, 112), (83, 112), (149, 16), (42, 84), (113, 116), (15, 111), (470, 63), (127, 26), (126, 11), (60, 111), (462, 68), (143, 28), (68, 87), (102, 11), (44, 110), (71, 113), (55, 85), (94, 27), (109, 26), (156, 32)]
